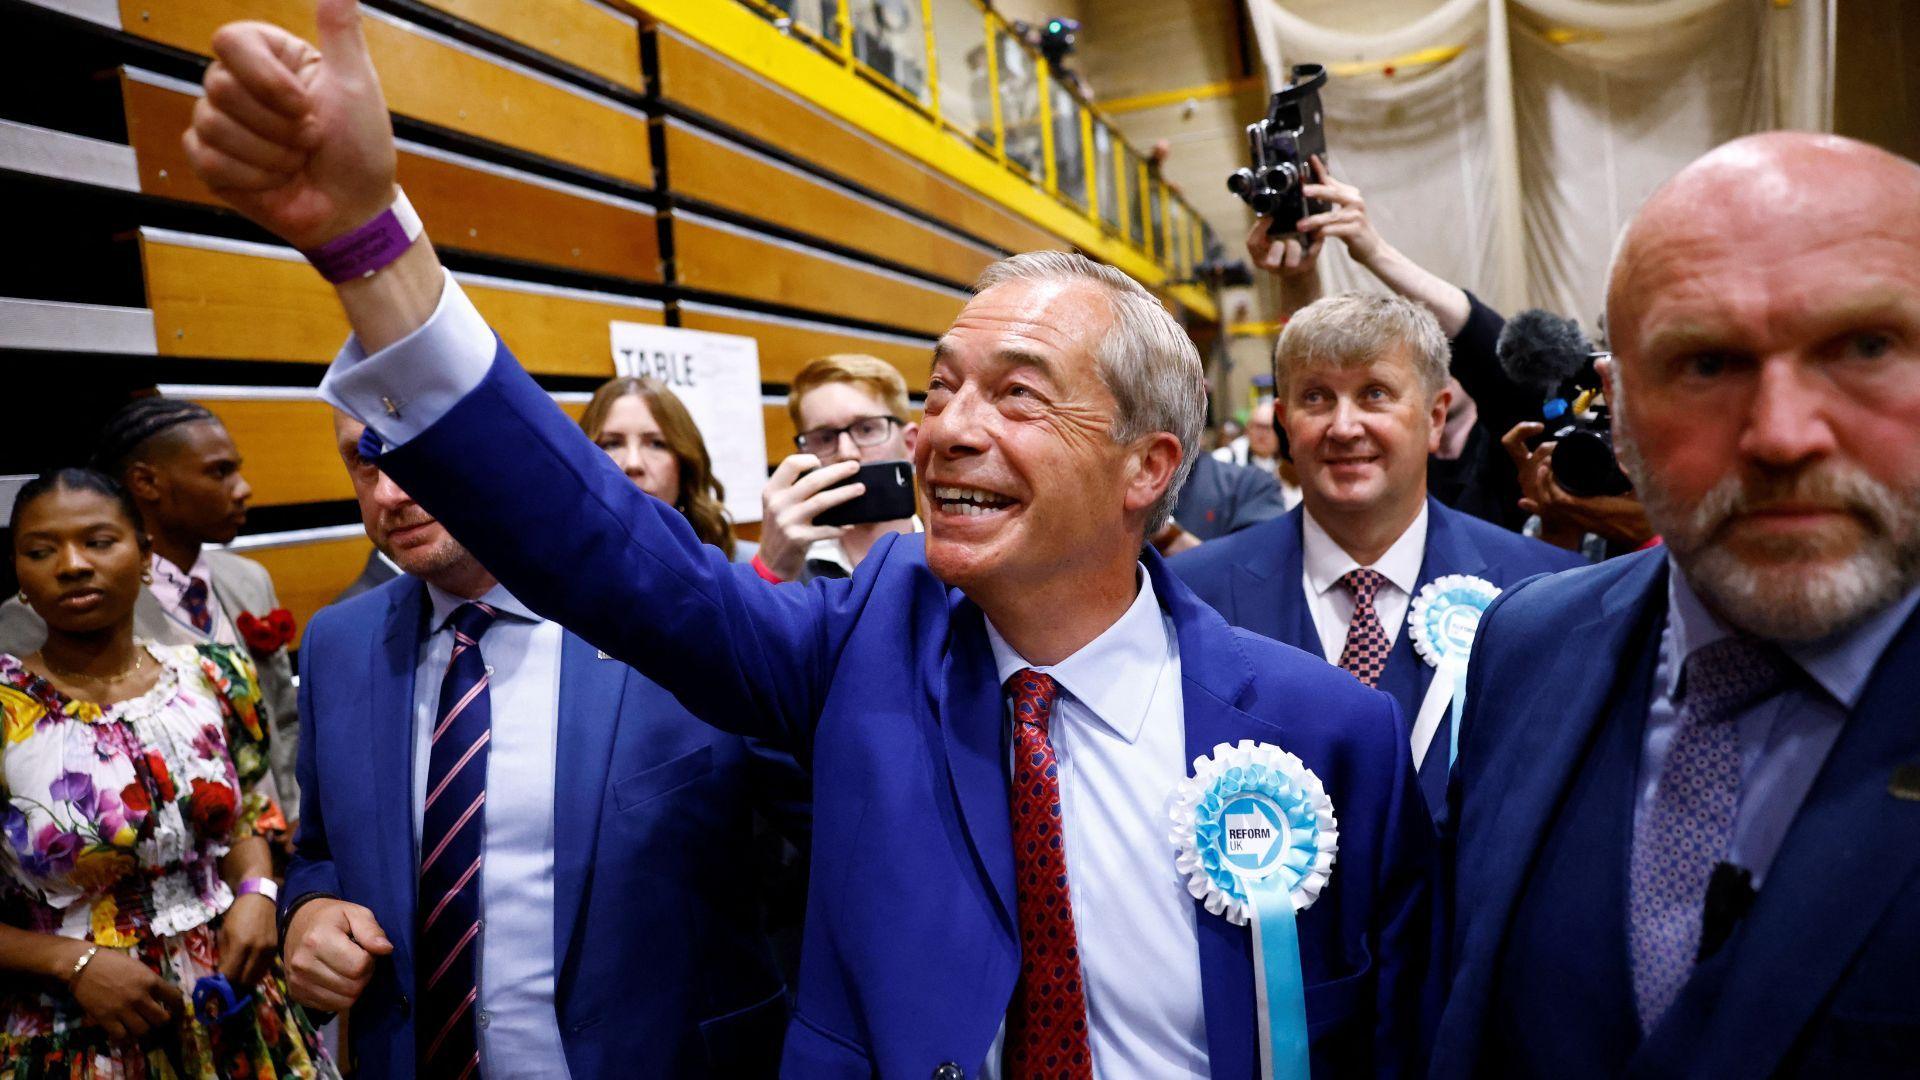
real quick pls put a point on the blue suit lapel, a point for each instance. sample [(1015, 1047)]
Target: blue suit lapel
[(972, 721), (591, 690), (1216, 673), (1267, 596), (1535, 768), (390, 685), (1850, 850)]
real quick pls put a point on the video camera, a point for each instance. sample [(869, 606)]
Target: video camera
[(1542, 350), (1280, 145)]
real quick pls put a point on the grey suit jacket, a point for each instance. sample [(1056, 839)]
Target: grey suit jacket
[(240, 584)]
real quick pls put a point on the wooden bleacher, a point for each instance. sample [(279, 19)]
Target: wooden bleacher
[(576, 165)]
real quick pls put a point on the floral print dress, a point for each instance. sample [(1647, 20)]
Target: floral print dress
[(115, 820)]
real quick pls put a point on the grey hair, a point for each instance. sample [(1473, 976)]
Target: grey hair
[(1355, 328), (1146, 359)]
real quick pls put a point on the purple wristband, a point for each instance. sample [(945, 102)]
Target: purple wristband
[(369, 248)]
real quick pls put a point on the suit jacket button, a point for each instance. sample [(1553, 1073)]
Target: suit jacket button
[(949, 1071), (406, 1008)]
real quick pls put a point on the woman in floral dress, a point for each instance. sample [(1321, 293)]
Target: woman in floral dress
[(134, 799)]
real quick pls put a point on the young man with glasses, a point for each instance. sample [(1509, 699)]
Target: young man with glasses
[(848, 410)]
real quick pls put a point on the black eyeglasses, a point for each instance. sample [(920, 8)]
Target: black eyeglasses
[(866, 431)]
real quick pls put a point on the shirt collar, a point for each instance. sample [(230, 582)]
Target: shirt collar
[(502, 601), (1326, 562), (1115, 674), (1841, 662), (170, 582)]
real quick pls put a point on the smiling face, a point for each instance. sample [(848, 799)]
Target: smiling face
[(632, 438), (1360, 436), (1021, 480), (79, 558), (1767, 402)]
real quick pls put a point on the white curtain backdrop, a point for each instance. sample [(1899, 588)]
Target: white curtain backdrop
[(1512, 139)]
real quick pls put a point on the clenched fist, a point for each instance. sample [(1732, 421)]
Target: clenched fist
[(295, 138), (329, 953)]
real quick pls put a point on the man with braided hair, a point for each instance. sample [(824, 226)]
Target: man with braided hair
[(183, 470)]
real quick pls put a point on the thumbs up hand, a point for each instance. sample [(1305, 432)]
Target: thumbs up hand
[(295, 138)]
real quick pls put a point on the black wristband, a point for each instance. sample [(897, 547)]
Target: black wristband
[(286, 914)]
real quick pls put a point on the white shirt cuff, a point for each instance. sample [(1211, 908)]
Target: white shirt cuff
[(403, 389)]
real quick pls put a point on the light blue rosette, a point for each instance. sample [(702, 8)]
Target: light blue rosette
[(1255, 835), (1443, 621)]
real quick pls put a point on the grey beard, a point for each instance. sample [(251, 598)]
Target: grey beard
[(1802, 595)]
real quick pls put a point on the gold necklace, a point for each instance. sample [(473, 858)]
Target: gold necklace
[(139, 658)]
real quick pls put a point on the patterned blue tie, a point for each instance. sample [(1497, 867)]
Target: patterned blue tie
[(194, 599), (1690, 824), (450, 844)]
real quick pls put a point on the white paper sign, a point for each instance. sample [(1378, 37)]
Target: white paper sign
[(717, 377)]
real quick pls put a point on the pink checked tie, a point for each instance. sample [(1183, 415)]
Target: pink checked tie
[(1365, 654), (1047, 1023)]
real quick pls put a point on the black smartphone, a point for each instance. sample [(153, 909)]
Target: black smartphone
[(889, 495)]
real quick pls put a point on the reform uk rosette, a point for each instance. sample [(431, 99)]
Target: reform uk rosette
[(1255, 834), (1443, 621)]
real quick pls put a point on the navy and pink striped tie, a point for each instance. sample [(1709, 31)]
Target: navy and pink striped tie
[(450, 845)]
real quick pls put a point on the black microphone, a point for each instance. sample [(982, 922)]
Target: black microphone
[(1730, 896), (1541, 350)]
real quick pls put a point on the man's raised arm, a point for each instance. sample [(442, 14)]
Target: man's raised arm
[(298, 139)]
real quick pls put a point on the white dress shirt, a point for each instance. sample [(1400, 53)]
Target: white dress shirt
[(169, 586), (1324, 563), (515, 1018), (1120, 737)]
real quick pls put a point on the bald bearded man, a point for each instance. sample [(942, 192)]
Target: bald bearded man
[(1688, 793)]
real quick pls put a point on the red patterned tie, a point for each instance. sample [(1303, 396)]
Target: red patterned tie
[(1365, 654), (1047, 1023)]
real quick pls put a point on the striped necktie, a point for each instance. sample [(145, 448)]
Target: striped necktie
[(451, 830)]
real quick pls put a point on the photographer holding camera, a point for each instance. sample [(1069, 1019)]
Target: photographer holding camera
[(848, 410), (1491, 475)]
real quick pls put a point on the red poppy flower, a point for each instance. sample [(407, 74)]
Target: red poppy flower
[(211, 807), (162, 779), (134, 795), (266, 634)]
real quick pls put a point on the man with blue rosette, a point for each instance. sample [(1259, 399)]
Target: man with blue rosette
[(1688, 795), (1369, 571), (997, 713)]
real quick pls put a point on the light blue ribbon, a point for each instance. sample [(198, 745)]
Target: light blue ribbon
[(1459, 709), (1278, 986)]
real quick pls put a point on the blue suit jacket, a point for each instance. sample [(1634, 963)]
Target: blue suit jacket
[(1254, 579), (663, 970), (1822, 975), (887, 682)]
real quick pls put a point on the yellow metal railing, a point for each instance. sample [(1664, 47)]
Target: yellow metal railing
[(967, 70)]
